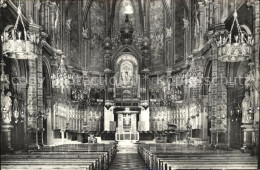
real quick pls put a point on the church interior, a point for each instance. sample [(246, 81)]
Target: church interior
[(130, 84)]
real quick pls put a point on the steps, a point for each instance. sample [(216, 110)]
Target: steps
[(127, 147)]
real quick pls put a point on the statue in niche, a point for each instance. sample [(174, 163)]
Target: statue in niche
[(197, 30), (57, 22), (6, 103), (245, 107), (126, 74), (68, 22), (86, 33), (168, 32), (185, 23)]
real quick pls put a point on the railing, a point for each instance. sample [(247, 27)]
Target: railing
[(127, 136)]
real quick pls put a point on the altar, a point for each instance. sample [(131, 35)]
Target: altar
[(126, 110), (127, 125)]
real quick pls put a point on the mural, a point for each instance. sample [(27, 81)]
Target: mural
[(180, 26), (72, 26), (156, 32), (97, 31)]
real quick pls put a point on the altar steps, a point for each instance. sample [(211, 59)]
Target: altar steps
[(127, 147)]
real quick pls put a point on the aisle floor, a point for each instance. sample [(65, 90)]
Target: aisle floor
[(131, 161)]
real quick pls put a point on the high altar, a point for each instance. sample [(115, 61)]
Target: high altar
[(126, 100)]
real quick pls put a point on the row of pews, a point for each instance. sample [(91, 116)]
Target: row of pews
[(70, 157), (174, 156)]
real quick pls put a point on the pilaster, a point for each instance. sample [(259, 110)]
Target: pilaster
[(34, 108), (218, 100)]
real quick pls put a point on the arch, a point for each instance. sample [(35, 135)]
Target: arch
[(207, 75), (247, 29), (127, 56), (8, 28), (241, 69), (127, 49)]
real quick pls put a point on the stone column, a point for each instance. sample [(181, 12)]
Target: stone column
[(255, 4), (172, 59), (6, 111), (49, 130), (257, 67), (36, 9), (34, 108), (247, 140), (203, 26), (52, 22), (219, 99)]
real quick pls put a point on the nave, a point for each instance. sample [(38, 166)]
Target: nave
[(132, 156), (137, 84)]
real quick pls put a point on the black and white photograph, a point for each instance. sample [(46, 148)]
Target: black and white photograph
[(130, 84)]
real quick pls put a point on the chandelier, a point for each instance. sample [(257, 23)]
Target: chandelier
[(61, 79), (20, 44), (235, 48), (194, 77)]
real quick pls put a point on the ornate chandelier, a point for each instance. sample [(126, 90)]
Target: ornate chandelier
[(61, 79), (20, 44), (194, 77), (235, 48)]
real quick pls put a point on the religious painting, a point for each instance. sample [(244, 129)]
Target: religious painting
[(127, 71), (180, 22), (97, 31), (157, 32)]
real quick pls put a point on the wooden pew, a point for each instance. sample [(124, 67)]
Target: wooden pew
[(94, 157), (170, 158)]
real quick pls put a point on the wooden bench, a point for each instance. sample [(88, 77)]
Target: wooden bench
[(170, 158), (94, 157)]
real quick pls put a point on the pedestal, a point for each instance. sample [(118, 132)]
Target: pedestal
[(80, 137), (215, 139), (247, 140), (40, 137), (62, 135), (67, 135), (32, 139), (6, 139), (108, 117)]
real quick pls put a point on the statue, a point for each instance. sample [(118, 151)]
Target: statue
[(185, 23), (169, 32), (197, 31), (68, 24), (6, 103), (245, 108)]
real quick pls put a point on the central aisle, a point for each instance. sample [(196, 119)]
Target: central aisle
[(131, 161), (127, 157)]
